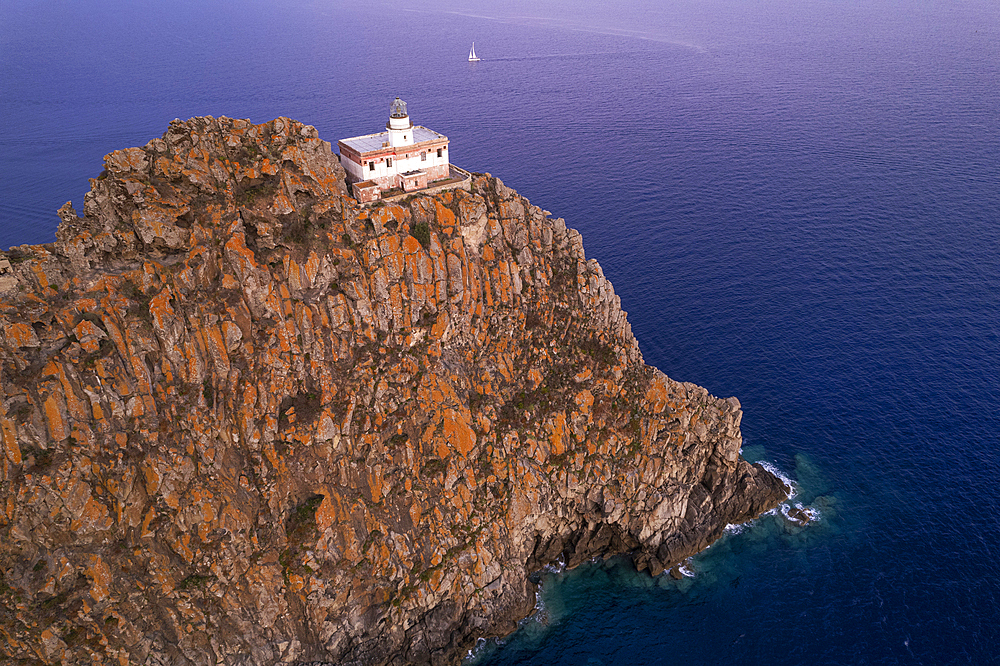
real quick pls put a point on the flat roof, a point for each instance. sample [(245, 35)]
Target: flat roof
[(372, 142)]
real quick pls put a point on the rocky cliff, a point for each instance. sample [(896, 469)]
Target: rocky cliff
[(246, 421)]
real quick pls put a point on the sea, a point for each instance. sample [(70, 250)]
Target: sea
[(798, 202)]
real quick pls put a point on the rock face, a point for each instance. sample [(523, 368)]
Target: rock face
[(246, 421)]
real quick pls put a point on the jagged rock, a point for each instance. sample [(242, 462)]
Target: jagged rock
[(246, 421)]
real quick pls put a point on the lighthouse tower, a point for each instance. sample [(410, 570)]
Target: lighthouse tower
[(400, 127)]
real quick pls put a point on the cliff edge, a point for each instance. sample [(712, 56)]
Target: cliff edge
[(246, 421)]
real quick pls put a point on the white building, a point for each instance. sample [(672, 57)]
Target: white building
[(405, 156)]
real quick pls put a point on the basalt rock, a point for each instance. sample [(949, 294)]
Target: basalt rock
[(246, 421)]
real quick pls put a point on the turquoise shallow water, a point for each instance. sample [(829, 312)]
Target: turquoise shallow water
[(798, 202)]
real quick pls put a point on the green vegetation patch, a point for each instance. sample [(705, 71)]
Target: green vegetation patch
[(301, 523), (195, 582), (307, 405), (397, 440), (300, 529), (433, 467), (422, 232), (138, 306)]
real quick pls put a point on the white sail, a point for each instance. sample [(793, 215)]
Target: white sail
[(472, 54)]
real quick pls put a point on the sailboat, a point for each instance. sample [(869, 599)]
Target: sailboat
[(472, 54)]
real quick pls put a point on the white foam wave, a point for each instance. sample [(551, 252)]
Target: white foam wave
[(539, 614), (556, 567), (476, 649), (685, 571), (812, 514), (539, 602), (773, 469), (735, 529)]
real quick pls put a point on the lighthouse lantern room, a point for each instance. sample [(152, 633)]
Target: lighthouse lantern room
[(400, 126)]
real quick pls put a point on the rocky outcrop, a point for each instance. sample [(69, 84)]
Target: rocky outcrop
[(246, 421)]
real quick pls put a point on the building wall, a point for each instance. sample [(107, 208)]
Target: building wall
[(388, 181), (438, 172), (416, 180), (354, 170), (463, 181), (365, 194), (413, 162), (387, 176)]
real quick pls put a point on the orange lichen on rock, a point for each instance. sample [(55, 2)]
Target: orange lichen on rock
[(9, 434), (21, 334)]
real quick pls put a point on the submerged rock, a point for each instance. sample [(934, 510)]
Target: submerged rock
[(246, 421), (798, 516)]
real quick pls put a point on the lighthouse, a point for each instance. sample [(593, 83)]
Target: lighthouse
[(400, 127), (406, 157)]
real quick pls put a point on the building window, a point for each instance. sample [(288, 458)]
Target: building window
[(404, 137), (439, 152), (388, 161), (371, 166), (423, 156)]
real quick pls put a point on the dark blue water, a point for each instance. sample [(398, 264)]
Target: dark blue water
[(798, 201)]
